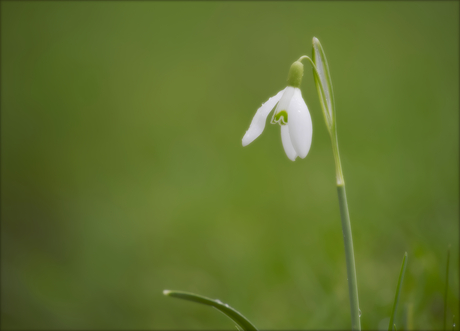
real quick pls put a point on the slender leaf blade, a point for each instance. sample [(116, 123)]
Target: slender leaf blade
[(398, 291), (230, 312)]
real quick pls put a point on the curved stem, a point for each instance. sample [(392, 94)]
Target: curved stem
[(306, 57)]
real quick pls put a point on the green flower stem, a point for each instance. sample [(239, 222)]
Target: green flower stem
[(338, 164), (350, 257), (326, 97), (347, 235)]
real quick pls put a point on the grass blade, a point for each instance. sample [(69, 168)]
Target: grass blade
[(231, 313), (447, 288), (398, 292)]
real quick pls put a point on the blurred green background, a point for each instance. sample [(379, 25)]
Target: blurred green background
[(123, 172)]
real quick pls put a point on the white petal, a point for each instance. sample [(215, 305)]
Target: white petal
[(258, 122), (286, 139), (299, 122)]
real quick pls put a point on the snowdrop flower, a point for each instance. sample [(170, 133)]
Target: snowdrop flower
[(291, 113)]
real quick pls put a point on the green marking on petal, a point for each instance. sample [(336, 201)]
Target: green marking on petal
[(281, 117)]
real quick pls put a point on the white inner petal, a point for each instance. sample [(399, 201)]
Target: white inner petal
[(284, 102), (300, 126), (287, 145), (258, 122)]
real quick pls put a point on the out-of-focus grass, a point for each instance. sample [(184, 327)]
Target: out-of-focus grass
[(123, 172)]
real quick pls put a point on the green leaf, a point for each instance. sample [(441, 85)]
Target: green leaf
[(231, 313), (398, 292), (324, 84)]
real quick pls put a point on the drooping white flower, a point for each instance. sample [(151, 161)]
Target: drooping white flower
[(291, 113)]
